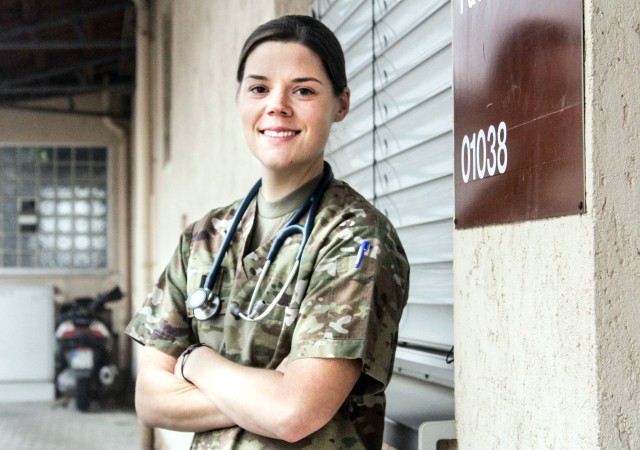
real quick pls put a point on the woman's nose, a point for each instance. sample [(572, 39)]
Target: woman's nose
[(278, 103)]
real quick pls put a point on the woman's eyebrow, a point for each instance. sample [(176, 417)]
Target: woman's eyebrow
[(295, 80), (256, 77), (306, 80)]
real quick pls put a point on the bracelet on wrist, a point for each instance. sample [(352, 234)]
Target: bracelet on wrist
[(186, 354)]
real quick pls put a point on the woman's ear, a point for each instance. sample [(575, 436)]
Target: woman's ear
[(343, 105)]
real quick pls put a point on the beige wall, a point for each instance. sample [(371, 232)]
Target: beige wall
[(30, 127), (546, 312), (613, 130)]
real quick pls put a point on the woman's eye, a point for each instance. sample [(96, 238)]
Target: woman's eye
[(258, 89), (304, 91)]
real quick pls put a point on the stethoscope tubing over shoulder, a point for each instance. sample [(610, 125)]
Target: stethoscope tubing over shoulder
[(205, 305)]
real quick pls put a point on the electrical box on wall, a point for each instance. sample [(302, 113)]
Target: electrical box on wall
[(518, 110), (28, 215)]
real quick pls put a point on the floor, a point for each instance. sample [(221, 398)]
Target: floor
[(60, 426)]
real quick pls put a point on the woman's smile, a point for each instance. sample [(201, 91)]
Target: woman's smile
[(275, 133)]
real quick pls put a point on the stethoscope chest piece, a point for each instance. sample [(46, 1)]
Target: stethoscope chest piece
[(204, 307)]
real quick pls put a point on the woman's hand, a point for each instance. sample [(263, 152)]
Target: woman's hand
[(164, 399)]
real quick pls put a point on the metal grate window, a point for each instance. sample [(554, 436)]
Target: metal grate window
[(54, 207)]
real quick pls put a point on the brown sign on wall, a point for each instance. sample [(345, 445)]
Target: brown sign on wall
[(518, 110)]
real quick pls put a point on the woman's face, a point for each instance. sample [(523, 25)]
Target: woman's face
[(287, 107)]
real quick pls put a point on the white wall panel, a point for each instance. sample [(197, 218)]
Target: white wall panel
[(27, 370), (358, 55), (433, 334), (349, 21), (431, 283), (398, 95), (435, 200), (428, 243), (361, 182), (408, 168), (427, 120), (357, 155)]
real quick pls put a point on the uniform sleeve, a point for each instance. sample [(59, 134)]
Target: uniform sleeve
[(162, 321), (351, 312)]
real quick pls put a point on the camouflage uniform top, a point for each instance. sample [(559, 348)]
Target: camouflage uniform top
[(332, 310)]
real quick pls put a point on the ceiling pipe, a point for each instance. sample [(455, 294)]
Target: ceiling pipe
[(61, 21), (39, 45)]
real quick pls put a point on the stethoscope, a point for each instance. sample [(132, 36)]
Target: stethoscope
[(206, 305)]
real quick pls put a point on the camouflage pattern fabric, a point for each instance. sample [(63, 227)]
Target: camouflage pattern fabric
[(331, 310)]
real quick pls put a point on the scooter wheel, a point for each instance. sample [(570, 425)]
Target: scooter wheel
[(83, 397)]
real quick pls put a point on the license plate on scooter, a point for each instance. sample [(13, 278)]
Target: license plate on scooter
[(82, 358)]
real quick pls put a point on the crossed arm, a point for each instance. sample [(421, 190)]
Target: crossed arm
[(289, 403)]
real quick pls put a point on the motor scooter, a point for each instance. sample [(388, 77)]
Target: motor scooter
[(84, 344)]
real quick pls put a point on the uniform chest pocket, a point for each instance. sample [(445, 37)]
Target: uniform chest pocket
[(269, 339), (266, 342), (260, 343)]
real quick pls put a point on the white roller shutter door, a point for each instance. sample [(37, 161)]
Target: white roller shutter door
[(396, 148)]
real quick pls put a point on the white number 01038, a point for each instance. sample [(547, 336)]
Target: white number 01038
[(484, 154)]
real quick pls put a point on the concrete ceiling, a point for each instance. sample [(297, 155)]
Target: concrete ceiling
[(65, 48)]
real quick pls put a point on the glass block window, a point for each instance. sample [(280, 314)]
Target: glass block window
[(55, 207)]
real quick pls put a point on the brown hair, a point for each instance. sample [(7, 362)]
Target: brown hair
[(306, 31)]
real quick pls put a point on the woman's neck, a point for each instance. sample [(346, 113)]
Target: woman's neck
[(277, 185)]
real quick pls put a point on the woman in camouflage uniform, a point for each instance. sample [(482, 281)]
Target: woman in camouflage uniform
[(312, 374)]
